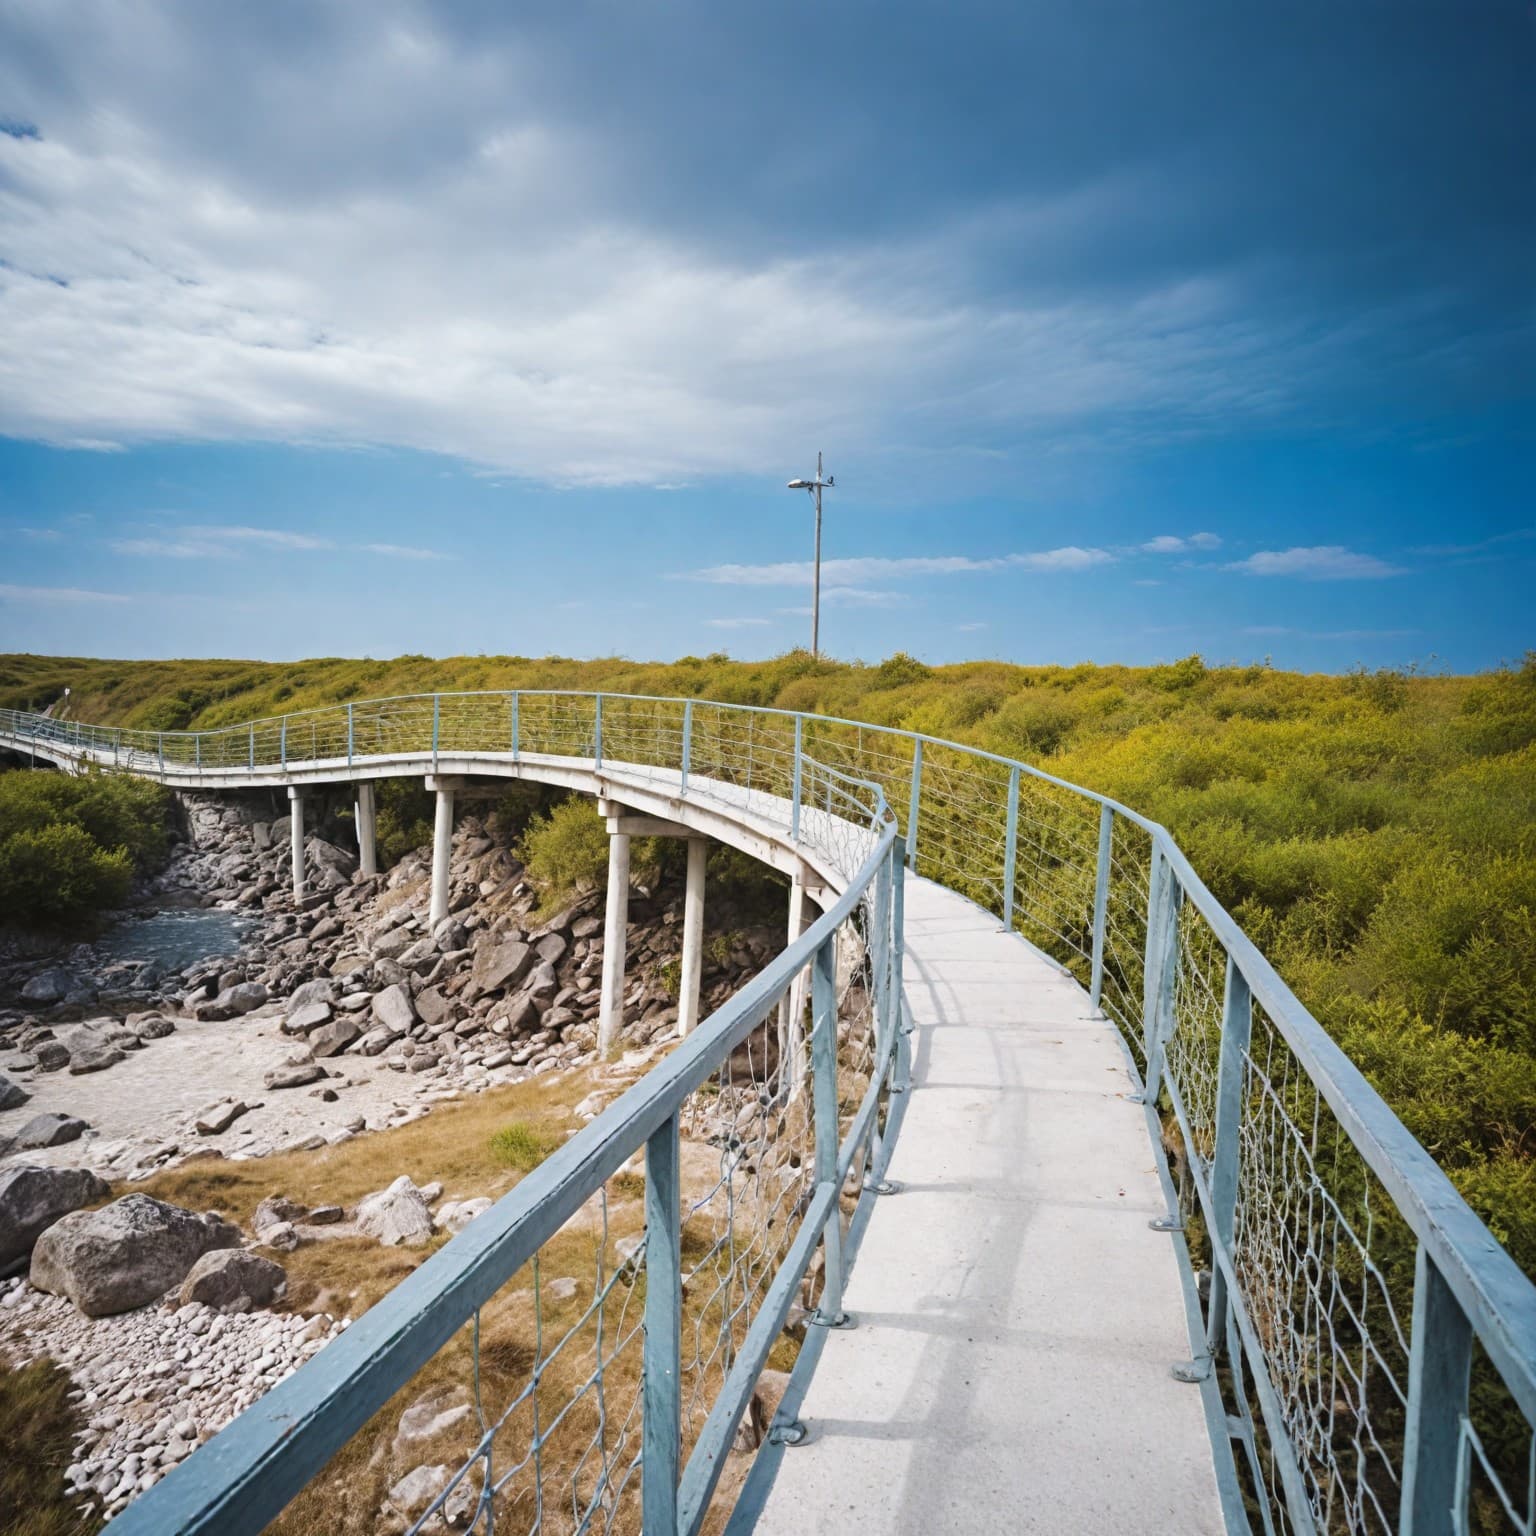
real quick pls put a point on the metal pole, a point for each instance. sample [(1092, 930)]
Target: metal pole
[(1439, 1370), (816, 590), (1010, 847), (1236, 1031), (1162, 969), (824, 1108), (516, 744), (252, 748), (661, 1434), (1101, 903), (687, 742), (349, 735), (283, 743), (794, 793), (597, 730), (436, 722), (914, 802)]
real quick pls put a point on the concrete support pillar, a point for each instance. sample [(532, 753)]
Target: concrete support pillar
[(367, 854), (792, 1053), (296, 838), (693, 937), (615, 939), (442, 847)]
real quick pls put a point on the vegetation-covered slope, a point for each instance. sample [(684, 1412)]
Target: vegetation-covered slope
[(1375, 834)]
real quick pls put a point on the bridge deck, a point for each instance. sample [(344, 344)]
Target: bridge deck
[(1016, 1316)]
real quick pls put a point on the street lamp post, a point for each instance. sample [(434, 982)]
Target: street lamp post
[(815, 488)]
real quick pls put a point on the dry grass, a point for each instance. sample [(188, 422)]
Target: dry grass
[(37, 1428)]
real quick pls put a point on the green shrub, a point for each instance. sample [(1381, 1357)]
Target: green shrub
[(523, 1146), (566, 850), (59, 876)]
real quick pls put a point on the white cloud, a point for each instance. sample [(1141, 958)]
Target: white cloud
[(1318, 562), (276, 260), (795, 573), (51, 595), (1177, 544), (405, 552)]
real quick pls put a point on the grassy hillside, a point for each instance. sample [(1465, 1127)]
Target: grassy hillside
[(1375, 834)]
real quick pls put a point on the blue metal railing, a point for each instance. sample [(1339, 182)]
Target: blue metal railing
[(1353, 1295)]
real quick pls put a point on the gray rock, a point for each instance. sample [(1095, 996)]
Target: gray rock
[(303, 1019), (387, 946), (300, 1075), (333, 1038), (243, 997), (154, 1027), (498, 965), (321, 990), (550, 948), (416, 1490), (431, 1005), (12, 1094), (273, 1209), (126, 1254), (458, 1214), (282, 1235), (50, 1055), (430, 1416), (218, 1118), (48, 987), (233, 1280), (396, 1215), (93, 1058), (377, 1041), (394, 1009), (49, 1130), (32, 1199)]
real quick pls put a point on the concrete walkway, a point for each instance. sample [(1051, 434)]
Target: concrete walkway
[(1016, 1316)]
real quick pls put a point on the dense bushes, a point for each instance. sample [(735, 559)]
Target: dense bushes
[(69, 847)]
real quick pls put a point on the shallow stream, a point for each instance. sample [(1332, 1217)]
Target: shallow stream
[(176, 936)]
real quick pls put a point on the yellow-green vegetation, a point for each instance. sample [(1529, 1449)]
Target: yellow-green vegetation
[(69, 847), (522, 1146), (38, 1424), (1372, 832)]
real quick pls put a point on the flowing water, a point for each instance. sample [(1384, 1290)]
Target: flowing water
[(176, 936)]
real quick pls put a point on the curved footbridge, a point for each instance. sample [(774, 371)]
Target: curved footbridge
[(1137, 1248)]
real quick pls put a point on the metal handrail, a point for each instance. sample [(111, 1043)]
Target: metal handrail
[(1083, 902)]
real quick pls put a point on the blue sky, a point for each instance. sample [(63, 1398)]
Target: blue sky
[(1128, 331)]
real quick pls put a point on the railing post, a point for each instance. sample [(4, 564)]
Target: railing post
[(160, 744), (1101, 904), (1236, 1031), (829, 1312), (117, 743), (1010, 847), (516, 743), (794, 793), (1161, 966), (597, 730), (661, 1436), (1439, 1371), (687, 741), (914, 802), (902, 1072), (251, 749), (349, 733), (437, 716), (197, 751)]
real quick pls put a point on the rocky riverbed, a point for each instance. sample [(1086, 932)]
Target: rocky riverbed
[(341, 1015)]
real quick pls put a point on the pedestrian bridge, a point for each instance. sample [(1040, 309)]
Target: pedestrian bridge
[(1138, 1249)]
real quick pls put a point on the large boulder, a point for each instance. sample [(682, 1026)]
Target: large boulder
[(321, 990), (48, 987), (333, 1038), (396, 1215), (233, 1280), (233, 1001), (32, 1199), (298, 1075), (93, 1056), (49, 1130), (394, 1009), (12, 1094), (126, 1254), (498, 965)]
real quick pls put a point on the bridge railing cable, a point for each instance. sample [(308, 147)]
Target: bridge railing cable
[(1372, 1346)]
